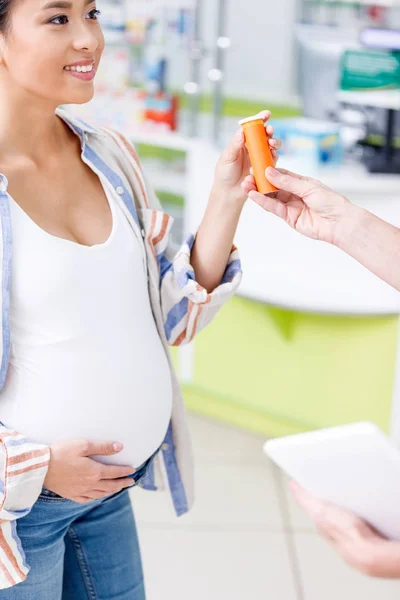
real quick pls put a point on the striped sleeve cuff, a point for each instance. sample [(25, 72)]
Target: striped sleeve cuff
[(185, 277), (188, 307), (23, 468)]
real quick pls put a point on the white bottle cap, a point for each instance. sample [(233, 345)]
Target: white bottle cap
[(248, 119)]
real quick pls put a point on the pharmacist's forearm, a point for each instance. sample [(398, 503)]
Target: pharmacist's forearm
[(214, 239), (372, 242), (393, 561), (386, 561)]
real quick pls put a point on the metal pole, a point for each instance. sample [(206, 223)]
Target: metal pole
[(388, 149), (332, 18), (219, 69), (301, 11), (196, 54), (307, 12)]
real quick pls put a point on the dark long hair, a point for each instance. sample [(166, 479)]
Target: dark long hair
[(5, 13)]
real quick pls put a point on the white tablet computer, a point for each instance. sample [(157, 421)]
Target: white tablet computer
[(356, 467)]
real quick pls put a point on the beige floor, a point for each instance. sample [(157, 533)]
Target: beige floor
[(245, 539)]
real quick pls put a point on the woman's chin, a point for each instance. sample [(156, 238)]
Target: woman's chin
[(81, 97)]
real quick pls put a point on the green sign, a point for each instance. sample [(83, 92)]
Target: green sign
[(370, 70)]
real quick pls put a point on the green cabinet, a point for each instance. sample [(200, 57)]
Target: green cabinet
[(278, 372)]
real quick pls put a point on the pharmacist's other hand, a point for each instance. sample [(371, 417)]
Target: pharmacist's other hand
[(307, 205), (355, 541), (72, 474), (234, 164)]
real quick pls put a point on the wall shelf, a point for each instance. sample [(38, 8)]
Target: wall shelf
[(353, 4)]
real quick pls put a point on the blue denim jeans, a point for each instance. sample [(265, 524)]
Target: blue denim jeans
[(81, 552)]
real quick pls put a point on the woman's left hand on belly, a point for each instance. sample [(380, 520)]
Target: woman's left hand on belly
[(75, 476)]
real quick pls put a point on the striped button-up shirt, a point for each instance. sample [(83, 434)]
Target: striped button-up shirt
[(181, 308)]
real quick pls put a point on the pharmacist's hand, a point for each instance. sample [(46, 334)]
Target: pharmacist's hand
[(305, 204), (355, 541), (234, 164), (75, 476)]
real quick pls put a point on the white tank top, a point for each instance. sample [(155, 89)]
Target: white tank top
[(86, 358)]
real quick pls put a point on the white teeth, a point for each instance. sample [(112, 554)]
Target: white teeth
[(81, 68)]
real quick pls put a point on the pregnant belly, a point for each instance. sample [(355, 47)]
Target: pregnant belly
[(102, 400)]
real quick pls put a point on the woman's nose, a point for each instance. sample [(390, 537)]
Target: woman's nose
[(86, 39)]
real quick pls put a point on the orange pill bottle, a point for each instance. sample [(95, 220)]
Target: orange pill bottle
[(259, 151)]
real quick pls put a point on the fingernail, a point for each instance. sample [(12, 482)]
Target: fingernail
[(117, 446), (272, 172)]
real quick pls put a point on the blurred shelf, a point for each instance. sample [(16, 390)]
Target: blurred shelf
[(354, 4), (174, 141), (164, 179), (389, 99)]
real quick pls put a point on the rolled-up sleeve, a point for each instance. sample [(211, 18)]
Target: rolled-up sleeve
[(188, 307), (23, 468)]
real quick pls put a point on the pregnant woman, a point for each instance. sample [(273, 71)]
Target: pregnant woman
[(91, 298)]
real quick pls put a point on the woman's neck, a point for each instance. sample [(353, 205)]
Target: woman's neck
[(29, 128)]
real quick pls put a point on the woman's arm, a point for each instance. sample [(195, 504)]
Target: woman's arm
[(198, 279), (214, 239), (317, 212)]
